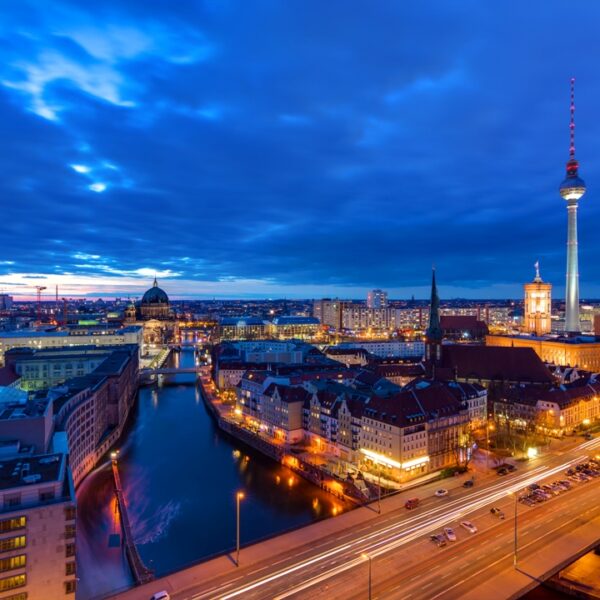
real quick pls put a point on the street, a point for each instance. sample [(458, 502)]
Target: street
[(405, 563)]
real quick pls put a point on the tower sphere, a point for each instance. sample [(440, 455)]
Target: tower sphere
[(573, 187)]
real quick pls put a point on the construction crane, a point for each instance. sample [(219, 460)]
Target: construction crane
[(40, 289)]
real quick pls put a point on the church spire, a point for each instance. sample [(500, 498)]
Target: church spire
[(155, 284), (434, 331), (433, 334)]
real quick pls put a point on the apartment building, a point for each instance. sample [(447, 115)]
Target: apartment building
[(37, 528)]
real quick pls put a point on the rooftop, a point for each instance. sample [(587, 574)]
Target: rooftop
[(25, 333), (19, 472), (296, 321)]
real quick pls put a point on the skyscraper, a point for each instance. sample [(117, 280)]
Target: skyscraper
[(377, 299), (571, 189)]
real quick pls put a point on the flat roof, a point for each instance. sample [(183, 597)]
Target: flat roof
[(559, 339), (19, 472), (25, 333)]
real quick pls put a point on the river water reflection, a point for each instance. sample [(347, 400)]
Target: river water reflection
[(180, 475)]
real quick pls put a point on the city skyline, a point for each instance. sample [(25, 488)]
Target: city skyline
[(265, 178)]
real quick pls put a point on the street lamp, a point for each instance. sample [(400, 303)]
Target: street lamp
[(239, 496), (365, 555)]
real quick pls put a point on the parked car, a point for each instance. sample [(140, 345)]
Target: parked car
[(441, 493), (411, 503), (470, 527), (502, 471), (497, 512), (469, 483), (160, 596), (449, 533), (438, 540)]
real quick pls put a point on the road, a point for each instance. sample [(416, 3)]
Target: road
[(405, 564)]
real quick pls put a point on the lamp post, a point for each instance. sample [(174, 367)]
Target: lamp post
[(365, 555), (239, 496)]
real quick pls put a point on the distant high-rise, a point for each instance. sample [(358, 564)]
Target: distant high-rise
[(6, 302), (377, 299), (571, 189), (538, 305)]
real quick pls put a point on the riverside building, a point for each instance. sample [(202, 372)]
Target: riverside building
[(93, 336), (37, 528)]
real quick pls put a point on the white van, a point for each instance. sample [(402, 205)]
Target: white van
[(160, 596)]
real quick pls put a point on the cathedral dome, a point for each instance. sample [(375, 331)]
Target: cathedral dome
[(155, 295)]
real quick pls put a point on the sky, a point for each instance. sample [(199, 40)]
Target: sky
[(297, 148)]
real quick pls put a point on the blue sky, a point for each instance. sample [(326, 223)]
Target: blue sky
[(294, 148)]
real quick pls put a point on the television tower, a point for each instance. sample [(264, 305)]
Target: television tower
[(571, 189)]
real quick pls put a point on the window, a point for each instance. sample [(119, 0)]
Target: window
[(21, 596), (70, 568), (12, 500), (10, 583), (13, 562), (69, 531), (13, 543), (12, 524), (70, 587), (70, 550), (70, 513), (46, 495)]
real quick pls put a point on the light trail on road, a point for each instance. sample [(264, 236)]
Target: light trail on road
[(397, 534)]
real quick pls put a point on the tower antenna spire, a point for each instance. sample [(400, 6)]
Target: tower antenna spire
[(572, 123)]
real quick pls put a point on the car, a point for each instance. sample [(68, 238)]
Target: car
[(566, 483), (411, 503), (511, 468), (438, 540), (497, 512), (470, 527), (441, 493), (449, 533), (502, 471), (534, 486), (164, 595), (469, 483)]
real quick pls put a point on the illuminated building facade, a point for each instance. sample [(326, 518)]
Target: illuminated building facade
[(580, 351), (292, 327), (37, 528), (538, 305), (377, 299)]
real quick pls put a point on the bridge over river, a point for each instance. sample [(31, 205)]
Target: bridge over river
[(170, 370)]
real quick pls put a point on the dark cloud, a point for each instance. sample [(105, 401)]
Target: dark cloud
[(336, 144)]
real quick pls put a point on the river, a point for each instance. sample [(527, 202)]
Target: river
[(180, 475)]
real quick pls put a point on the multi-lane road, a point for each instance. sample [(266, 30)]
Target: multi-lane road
[(404, 562)]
